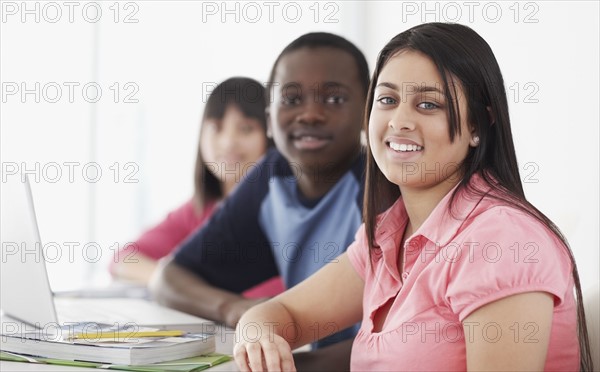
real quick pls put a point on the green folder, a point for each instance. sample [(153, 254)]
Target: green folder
[(193, 364)]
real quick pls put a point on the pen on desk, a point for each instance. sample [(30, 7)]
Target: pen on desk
[(126, 335)]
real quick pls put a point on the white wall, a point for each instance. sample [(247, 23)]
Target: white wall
[(169, 51)]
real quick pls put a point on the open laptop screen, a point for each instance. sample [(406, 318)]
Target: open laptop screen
[(24, 287), (25, 292)]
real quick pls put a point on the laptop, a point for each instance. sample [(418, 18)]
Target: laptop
[(25, 292)]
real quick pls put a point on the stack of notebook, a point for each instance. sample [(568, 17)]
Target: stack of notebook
[(193, 364), (109, 345)]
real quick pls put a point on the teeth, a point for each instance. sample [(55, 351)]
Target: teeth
[(405, 147), (307, 138)]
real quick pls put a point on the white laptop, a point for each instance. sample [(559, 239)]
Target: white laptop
[(25, 293)]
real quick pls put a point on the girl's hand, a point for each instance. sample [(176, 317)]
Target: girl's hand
[(269, 352)]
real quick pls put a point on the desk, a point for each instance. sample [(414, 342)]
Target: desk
[(224, 338)]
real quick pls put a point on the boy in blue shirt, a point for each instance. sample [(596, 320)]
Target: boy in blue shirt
[(301, 206)]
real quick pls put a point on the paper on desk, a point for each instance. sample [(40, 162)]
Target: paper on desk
[(181, 365)]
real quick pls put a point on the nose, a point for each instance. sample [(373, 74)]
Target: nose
[(312, 113), (402, 119), (227, 140)]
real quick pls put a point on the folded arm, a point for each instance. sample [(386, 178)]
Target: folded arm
[(176, 287), (139, 271)]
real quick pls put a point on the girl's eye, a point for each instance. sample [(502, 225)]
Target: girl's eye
[(428, 105), (246, 128), (386, 100), (210, 126)]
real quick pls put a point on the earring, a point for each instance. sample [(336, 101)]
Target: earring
[(476, 141)]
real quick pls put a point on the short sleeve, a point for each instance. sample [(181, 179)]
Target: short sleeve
[(358, 252), (506, 252)]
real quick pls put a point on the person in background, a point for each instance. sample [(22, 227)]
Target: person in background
[(233, 138), (301, 206), (453, 268)]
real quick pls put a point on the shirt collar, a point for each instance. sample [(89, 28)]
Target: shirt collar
[(443, 223), (445, 220)]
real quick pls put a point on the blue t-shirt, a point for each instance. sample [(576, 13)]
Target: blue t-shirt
[(267, 228)]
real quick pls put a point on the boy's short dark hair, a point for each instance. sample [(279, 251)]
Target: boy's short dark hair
[(324, 40)]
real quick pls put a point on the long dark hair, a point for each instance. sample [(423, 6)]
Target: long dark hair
[(459, 52), (248, 95)]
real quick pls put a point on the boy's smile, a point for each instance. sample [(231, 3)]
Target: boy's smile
[(310, 139)]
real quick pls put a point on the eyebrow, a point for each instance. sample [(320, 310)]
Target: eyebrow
[(319, 85), (334, 84), (417, 88)]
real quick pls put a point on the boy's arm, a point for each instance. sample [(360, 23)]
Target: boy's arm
[(176, 287), (227, 256)]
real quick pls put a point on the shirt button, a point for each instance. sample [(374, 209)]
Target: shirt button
[(404, 275)]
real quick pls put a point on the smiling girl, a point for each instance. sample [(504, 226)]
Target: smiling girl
[(233, 137), (453, 268)]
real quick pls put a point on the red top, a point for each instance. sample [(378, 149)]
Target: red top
[(160, 240)]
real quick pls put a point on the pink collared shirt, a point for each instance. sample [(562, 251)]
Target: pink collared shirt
[(454, 264)]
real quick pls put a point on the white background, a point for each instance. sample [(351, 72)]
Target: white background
[(170, 52)]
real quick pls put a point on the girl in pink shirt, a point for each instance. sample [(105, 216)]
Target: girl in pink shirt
[(233, 137), (453, 268)]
